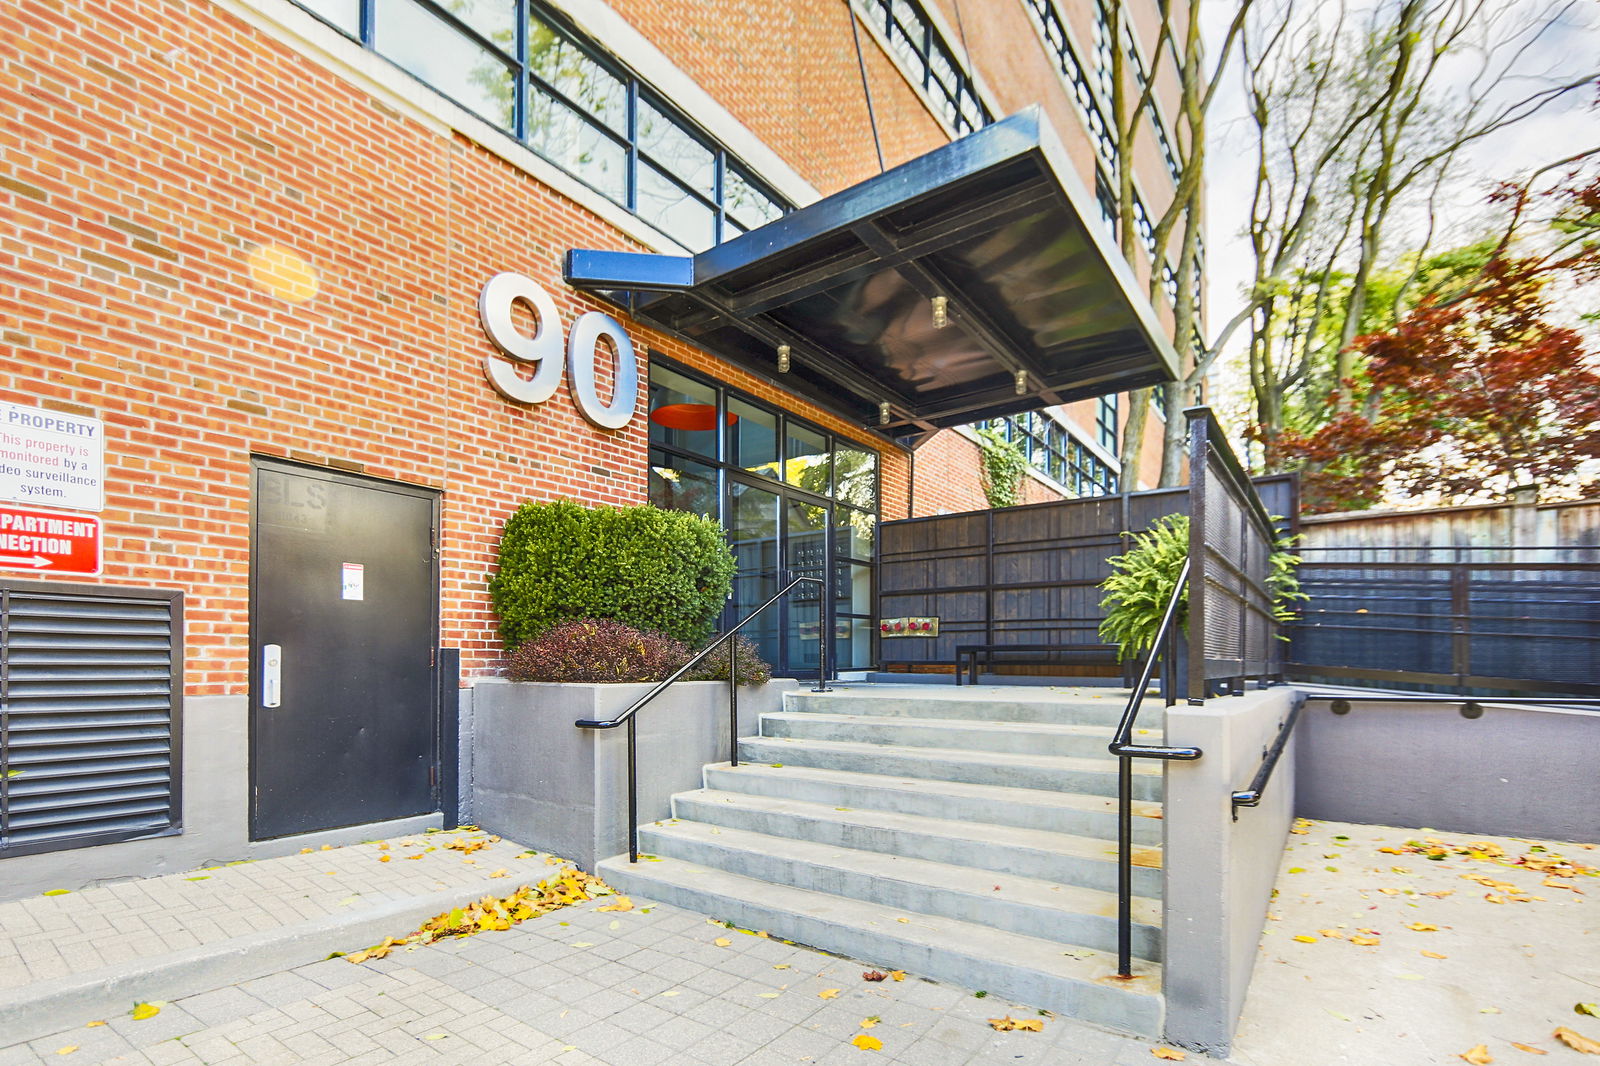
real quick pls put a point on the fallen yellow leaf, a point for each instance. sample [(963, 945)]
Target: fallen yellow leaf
[(767, 995), (621, 903), (906, 921), (69, 1049), (1576, 1041), (1021, 1025), (57, 892), (141, 1011), (828, 993), (1171, 1054), (1423, 927), (1478, 1056), (867, 1042), (868, 1023), (503, 872), (1306, 939), (94, 1025), (1365, 941), (1529, 1049), (722, 942), (1433, 955), (384, 858), (898, 975)]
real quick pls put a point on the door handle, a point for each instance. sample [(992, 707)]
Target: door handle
[(271, 675)]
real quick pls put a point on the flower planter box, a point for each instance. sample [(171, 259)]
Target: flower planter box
[(541, 781)]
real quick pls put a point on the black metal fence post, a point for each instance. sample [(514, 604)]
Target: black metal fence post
[(733, 702)]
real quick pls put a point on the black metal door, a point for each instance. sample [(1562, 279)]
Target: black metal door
[(344, 620)]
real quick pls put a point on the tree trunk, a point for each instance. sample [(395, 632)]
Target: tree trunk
[(1133, 437)]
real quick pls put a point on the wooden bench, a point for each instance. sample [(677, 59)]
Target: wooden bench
[(1033, 655)]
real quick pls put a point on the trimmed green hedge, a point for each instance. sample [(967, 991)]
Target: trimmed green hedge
[(663, 571)]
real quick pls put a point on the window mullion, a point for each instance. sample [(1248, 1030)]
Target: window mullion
[(633, 145), (519, 105)]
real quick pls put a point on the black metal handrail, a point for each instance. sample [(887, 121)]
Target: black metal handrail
[(626, 718), (1126, 751), (1251, 797)]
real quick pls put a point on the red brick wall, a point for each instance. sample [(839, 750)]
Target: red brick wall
[(148, 149), (948, 480)]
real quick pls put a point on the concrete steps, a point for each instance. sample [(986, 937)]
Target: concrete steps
[(995, 805), (1096, 777), (1056, 857), (1073, 981), (962, 834)]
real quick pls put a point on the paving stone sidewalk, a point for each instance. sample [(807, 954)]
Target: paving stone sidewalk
[(583, 987), (55, 936)]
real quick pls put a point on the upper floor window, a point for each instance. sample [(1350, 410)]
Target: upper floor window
[(1105, 422), (1056, 454), (566, 100), (922, 48), (1083, 94)]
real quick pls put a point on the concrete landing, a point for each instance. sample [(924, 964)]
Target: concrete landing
[(1491, 973), (92, 953)]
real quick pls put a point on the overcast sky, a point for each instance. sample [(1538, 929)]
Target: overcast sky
[(1558, 131)]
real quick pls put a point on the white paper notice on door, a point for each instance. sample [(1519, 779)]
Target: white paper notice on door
[(354, 581)]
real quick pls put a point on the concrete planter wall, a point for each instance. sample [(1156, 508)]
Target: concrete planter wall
[(541, 781)]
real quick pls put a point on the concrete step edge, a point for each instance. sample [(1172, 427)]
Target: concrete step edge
[(1070, 845), (1059, 977), (1106, 765), (926, 873)]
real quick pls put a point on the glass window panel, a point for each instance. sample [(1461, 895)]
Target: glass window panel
[(730, 229), (670, 388), (572, 142), (855, 476), (854, 643), (556, 59), (677, 151), (753, 537), (752, 438), (805, 553), (745, 202), (852, 589), (853, 533), (345, 14), (683, 485), (495, 19), (674, 210), (440, 55), (807, 459)]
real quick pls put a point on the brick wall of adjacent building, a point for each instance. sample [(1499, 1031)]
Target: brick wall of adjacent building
[(149, 150)]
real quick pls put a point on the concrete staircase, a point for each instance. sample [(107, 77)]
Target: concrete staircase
[(963, 834)]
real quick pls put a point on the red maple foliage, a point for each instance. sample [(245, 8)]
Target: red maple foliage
[(1471, 395)]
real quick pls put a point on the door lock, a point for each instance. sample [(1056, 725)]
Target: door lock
[(271, 675)]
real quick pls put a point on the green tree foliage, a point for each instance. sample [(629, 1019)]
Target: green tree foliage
[(661, 571)]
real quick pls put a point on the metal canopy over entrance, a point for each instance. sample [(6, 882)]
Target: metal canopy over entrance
[(1041, 308)]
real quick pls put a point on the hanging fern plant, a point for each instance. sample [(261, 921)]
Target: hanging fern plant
[(1142, 581), (1001, 466)]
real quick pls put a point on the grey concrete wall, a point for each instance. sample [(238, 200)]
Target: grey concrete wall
[(464, 723), (1219, 873), (215, 817), (539, 780), (1516, 771)]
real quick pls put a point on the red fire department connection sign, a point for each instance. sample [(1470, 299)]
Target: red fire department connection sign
[(49, 542)]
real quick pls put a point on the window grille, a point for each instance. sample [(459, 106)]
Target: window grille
[(1055, 453), (521, 68), (1105, 422), (943, 79), (1053, 27), (90, 691)]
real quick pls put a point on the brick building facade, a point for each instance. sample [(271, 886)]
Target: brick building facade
[(250, 235)]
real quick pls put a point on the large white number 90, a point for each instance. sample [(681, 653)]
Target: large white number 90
[(495, 306)]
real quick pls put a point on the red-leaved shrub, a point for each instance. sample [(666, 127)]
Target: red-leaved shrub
[(597, 651)]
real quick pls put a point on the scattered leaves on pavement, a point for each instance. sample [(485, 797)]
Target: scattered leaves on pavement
[(1021, 1025), (1576, 1041), (492, 913)]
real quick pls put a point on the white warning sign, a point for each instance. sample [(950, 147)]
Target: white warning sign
[(50, 458)]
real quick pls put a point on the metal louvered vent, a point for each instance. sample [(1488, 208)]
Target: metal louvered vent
[(90, 688)]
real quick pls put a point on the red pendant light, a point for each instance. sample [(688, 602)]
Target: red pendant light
[(690, 416)]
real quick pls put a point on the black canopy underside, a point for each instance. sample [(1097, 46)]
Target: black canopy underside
[(997, 223)]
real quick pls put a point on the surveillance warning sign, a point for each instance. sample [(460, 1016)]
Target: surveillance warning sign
[(51, 459)]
